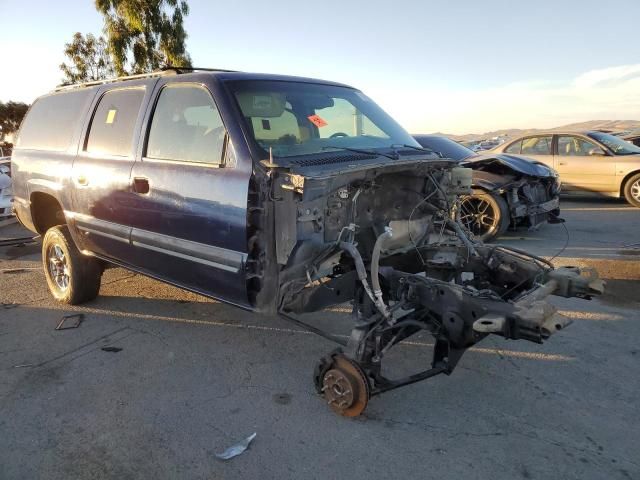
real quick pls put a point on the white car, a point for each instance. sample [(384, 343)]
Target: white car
[(5, 187)]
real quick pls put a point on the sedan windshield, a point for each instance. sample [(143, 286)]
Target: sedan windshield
[(296, 118), (615, 144)]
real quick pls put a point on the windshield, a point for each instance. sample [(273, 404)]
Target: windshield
[(615, 144), (445, 146), (295, 118)]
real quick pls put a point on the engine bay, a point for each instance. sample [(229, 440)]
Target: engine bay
[(387, 240)]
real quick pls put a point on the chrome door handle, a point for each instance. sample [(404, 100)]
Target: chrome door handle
[(562, 163)]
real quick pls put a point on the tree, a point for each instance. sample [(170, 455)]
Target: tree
[(11, 115), (147, 34), (89, 59)]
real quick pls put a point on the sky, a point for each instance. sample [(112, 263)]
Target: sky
[(457, 66)]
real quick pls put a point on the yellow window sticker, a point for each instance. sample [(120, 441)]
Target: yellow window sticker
[(111, 116)]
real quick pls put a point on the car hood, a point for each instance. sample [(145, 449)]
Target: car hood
[(524, 165)]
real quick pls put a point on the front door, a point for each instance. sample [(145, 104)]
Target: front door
[(583, 165), (189, 222)]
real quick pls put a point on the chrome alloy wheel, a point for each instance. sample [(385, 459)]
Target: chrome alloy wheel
[(635, 190), (478, 215), (58, 267)]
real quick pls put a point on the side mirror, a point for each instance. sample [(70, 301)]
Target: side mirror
[(596, 151)]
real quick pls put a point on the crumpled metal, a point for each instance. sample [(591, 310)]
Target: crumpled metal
[(236, 449)]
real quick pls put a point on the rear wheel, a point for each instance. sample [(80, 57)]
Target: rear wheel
[(484, 214), (632, 190), (71, 276)]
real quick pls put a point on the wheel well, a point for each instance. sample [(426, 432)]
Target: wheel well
[(46, 212), (625, 179)]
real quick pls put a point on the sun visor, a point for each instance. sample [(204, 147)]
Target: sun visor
[(263, 105)]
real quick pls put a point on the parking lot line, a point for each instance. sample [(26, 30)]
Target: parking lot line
[(240, 326)]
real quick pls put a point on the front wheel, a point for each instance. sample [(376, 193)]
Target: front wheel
[(484, 214), (72, 277), (632, 190)]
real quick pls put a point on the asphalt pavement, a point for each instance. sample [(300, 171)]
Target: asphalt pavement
[(155, 381)]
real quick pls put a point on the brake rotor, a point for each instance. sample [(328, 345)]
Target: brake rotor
[(345, 387)]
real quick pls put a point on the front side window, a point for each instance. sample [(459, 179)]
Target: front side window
[(186, 126), (571, 146), (536, 146), (296, 118), (112, 127)]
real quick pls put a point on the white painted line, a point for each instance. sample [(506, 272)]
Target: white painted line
[(599, 209), (144, 316)]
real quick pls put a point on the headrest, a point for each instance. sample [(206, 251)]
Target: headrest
[(263, 105)]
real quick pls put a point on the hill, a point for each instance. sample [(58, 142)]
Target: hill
[(613, 125)]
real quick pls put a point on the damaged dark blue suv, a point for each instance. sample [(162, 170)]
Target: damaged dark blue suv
[(280, 195)]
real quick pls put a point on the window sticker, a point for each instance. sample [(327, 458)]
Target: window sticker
[(111, 116), (265, 124), (317, 120)]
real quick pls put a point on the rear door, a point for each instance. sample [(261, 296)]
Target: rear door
[(537, 147), (101, 192), (584, 165), (189, 221)]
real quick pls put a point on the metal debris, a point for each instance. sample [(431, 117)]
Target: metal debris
[(236, 449), (111, 349), (10, 242), (19, 270), (78, 317)]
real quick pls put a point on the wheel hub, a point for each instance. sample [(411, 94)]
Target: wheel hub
[(58, 267), (345, 387), (338, 389), (477, 215), (635, 190)]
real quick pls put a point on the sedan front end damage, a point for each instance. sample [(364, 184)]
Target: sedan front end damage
[(383, 237)]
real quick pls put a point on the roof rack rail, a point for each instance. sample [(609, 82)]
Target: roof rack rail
[(168, 70), (92, 83), (196, 69)]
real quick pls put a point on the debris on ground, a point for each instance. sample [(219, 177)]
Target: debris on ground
[(65, 324), (10, 242), (236, 449), (19, 270), (111, 349)]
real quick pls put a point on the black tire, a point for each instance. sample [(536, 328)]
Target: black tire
[(72, 277), (632, 190), (484, 214)]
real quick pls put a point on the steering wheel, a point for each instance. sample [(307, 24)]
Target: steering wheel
[(338, 134)]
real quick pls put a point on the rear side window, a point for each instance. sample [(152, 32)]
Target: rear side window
[(112, 126), (52, 121), (186, 126), (536, 146), (514, 147)]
